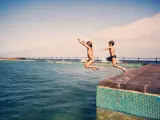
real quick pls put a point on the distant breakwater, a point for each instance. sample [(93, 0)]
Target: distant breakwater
[(83, 59)]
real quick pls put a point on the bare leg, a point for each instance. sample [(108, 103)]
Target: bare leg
[(86, 63), (114, 65), (93, 67)]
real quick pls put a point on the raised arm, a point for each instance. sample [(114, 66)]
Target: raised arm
[(84, 44), (106, 48)]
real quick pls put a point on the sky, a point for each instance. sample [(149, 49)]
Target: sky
[(50, 28)]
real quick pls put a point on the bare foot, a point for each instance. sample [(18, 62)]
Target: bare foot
[(125, 72), (94, 69), (97, 68)]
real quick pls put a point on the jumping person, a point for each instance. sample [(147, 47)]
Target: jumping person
[(90, 56), (112, 57)]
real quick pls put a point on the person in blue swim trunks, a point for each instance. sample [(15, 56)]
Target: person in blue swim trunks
[(112, 56)]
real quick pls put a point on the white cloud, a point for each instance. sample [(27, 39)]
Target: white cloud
[(145, 27), (137, 39), (140, 38)]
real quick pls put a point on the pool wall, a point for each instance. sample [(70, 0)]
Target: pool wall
[(130, 102)]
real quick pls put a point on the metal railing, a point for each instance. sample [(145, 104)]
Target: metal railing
[(98, 59)]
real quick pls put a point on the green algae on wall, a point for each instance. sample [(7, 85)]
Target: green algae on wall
[(134, 103)]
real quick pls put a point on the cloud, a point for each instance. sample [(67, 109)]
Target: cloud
[(145, 27), (139, 38)]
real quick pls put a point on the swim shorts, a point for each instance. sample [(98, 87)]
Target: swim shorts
[(110, 58)]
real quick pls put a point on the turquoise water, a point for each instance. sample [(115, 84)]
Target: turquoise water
[(48, 91)]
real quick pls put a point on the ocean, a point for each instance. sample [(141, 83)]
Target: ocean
[(49, 91)]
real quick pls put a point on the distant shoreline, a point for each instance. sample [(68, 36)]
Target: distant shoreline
[(14, 60), (98, 60)]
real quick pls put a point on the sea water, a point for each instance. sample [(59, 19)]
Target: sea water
[(49, 91)]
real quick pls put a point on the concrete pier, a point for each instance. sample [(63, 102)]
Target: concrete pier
[(136, 93)]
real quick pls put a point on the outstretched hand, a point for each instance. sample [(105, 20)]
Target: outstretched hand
[(81, 41)]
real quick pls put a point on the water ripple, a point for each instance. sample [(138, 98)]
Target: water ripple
[(46, 91)]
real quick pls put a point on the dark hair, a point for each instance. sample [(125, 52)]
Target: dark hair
[(89, 43), (111, 42)]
